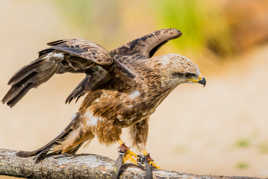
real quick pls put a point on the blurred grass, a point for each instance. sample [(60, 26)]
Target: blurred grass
[(242, 165), (77, 11), (201, 23), (243, 143), (94, 19), (263, 147), (206, 25), (186, 16)]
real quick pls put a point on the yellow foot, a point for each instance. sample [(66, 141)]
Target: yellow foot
[(128, 154), (150, 160)]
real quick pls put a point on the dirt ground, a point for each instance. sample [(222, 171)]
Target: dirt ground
[(219, 130)]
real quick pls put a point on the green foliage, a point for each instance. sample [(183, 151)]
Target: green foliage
[(78, 11), (92, 18), (263, 147), (185, 16), (200, 22), (242, 165), (243, 143)]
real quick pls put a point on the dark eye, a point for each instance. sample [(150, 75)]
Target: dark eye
[(177, 74), (190, 75)]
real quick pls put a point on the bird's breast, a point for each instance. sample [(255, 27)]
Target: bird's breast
[(123, 108)]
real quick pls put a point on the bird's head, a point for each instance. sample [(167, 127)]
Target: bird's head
[(177, 69)]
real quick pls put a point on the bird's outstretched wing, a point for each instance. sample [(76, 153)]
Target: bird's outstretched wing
[(83, 49), (75, 56), (146, 46)]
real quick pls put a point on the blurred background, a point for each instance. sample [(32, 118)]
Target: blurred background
[(219, 130)]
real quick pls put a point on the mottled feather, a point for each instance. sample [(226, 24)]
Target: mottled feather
[(147, 45), (83, 49), (123, 87), (75, 56)]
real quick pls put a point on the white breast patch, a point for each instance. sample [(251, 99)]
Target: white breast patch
[(134, 94), (92, 120)]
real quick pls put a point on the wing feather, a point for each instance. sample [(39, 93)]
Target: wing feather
[(147, 45), (83, 49), (81, 56), (75, 56)]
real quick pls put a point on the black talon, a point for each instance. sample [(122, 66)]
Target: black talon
[(141, 159)]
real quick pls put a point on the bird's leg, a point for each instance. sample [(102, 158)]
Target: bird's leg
[(145, 158), (126, 153), (139, 134)]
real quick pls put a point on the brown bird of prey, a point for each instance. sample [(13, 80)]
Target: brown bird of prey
[(123, 88)]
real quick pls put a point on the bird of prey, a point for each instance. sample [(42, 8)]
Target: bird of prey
[(123, 87)]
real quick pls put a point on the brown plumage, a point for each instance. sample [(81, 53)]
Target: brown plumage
[(123, 87)]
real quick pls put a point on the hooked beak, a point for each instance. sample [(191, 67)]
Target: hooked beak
[(203, 81), (200, 80)]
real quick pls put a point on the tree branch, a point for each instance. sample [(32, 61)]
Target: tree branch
[(79, 166)]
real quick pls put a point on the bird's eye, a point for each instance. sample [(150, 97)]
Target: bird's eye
[(177, 74), (190, 75)]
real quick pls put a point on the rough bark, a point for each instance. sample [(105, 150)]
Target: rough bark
[(79, 166)]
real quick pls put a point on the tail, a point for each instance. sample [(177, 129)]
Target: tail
[(66, 142), (30, 76)]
